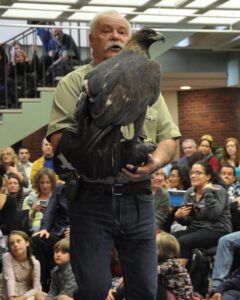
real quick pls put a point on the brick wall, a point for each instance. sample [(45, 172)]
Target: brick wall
[(214, 111), (34, 142)]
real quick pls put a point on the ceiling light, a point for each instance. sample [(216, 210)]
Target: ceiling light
[(230, 4), (163, 15), (86, 13), (52, 1), (170, 3), (185, 87), (200, 3), (119, 2)]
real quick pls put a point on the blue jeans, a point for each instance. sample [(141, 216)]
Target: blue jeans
[(224, 257), (231, 295), (93, 231)]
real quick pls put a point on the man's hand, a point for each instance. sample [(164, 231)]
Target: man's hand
[(142, 171), (42, 233), (163, 154)]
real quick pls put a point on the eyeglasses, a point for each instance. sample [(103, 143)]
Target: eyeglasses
[(197, 173)]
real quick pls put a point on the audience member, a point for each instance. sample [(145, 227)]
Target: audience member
[(37, 201), (54, 227), (161, 199), (228, 290), (231, 154), (205, 147), (45, 161), (62, 55), (9, 159), (179, 178), (189, 147), (15, 189), (205, 211), (3, 75), (63, 282), (227, 245), (21, 271), (227, 174), (22, 78), (8, 208), (26, 164), (171, 274)]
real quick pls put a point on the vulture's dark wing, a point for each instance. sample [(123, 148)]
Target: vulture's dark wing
[(121, 88)]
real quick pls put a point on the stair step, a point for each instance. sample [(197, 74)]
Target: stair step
[(11, 111), (30, 100), (46, 89)]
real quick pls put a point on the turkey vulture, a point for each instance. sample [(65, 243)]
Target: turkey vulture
[(115, 93)]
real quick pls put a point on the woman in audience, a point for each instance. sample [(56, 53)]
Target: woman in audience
[(205, 211), (15, 189), (161, 199), (205, 147), (21, 271), (8, 158), (231, 154), (37, 201), (8, 209), (179, 178)]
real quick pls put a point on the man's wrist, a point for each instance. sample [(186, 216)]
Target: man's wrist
[(157, 163)]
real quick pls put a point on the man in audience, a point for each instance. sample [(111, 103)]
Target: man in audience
[(54, 227), (228, 244), (45, 161), (24, 161), (189, 147), (228, 175)]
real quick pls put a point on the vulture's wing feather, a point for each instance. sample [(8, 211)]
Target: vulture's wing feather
[(121, 88)]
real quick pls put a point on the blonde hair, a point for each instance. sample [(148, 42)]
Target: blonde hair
[(63, 245), (11, 151), (167, 246), (107, 13)]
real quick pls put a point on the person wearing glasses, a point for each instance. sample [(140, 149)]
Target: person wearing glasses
[(205, 212)]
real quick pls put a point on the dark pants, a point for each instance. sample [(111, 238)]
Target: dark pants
[(202, 239), (43, 251), (231, 295), (94, 228)]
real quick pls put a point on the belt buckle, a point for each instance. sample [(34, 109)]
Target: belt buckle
[(113, 189)]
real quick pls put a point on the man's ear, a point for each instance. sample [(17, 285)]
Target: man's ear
[(90, 39)]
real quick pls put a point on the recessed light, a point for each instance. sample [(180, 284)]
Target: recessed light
[(185, 87)]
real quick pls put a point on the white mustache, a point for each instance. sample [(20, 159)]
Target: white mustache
[(112, 44)]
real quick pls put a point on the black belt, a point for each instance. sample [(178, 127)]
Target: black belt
[(117, 189)]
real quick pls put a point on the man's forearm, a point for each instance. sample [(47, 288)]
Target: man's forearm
[(165, 152)]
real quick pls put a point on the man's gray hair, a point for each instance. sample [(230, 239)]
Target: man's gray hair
[(189, 141), (111, 12)]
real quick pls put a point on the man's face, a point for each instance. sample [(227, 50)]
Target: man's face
[(24, 155), (189, 149), (227, 175), (57, 35), (108, 30), (47, 149)]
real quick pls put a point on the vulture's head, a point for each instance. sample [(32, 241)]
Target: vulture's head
[(143, 39)]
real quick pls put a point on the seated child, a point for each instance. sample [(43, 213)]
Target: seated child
[(21, 270), (171, 274), (63, 282), (228, 290)]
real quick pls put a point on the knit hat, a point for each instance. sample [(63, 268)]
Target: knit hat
[(207, 137)]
